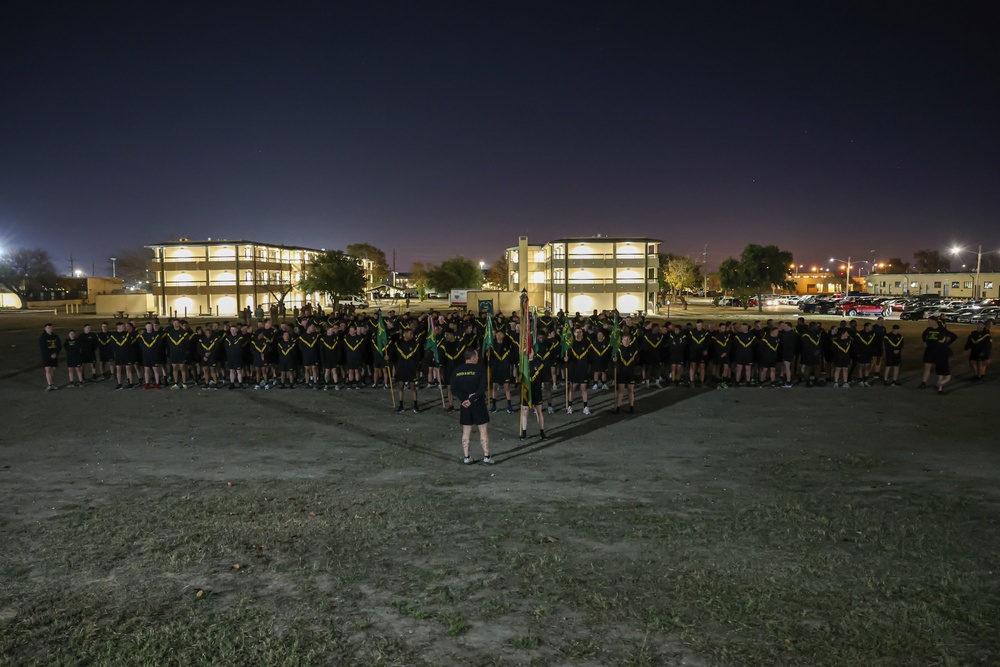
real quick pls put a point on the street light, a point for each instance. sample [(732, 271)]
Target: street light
[(114, 273), (979, 263), (849, 264)]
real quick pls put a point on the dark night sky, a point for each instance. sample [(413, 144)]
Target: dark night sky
[(451, 128)]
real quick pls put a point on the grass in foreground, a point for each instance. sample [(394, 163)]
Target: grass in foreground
[(817, 562)]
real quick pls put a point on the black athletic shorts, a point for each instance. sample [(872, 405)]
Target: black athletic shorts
[(474, 415)]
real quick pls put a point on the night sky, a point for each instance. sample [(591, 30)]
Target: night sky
[(829, 129)]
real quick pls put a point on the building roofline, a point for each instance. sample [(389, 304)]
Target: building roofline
[(586, 239), (191, 242), (602, 239)]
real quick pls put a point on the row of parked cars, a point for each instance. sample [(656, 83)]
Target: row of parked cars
[(909, 308), (960, 311), (769, 300)]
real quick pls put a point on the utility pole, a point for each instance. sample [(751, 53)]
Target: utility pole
[(72, 269), (393, 267), (704, 275)]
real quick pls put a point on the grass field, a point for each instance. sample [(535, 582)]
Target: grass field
[(749, 527)]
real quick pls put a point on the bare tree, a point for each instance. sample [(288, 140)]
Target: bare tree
[(498, 273), (26, 271), (132, 264)]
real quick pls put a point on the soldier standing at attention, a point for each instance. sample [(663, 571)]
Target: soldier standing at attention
[(177, 354), (105, 351), (150, 342), (537, 377), (468, 384), (577, 364), (235, 343), (979, 344), (451, 353), (743, 345), (812, 352), (500, 359), (893, 347), (49, 344), (697, 352), (842, 355), (600, 355), (121, 348), (936, 355), (405, 354), (208, 345), (625, 368), (74, 359), (877, 353), (864, 355), (88, 350)]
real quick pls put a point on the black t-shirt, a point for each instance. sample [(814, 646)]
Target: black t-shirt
[(468, 382), (49, 344)]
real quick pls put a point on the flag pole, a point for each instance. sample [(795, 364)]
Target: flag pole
[(524, 370), (392, 386)]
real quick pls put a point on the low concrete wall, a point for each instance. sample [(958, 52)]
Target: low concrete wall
[(135, 305), (503, 301)]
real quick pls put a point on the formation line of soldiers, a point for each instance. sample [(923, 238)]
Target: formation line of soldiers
[(581, 354)]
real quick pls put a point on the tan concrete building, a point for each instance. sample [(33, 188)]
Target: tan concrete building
[(586, 273), (823, 282), (222, 277), (953, 284)]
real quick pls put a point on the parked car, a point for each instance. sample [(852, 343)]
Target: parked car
[(953, 315), (971, 316), (897, 305), (864, 307), (730, 301), (819, 305), (915, 313)]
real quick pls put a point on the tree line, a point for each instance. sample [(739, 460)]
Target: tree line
[(758, 270), (336, 273)]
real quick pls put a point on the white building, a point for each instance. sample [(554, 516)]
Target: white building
[(221, 277), (586, 273), (954, 284)]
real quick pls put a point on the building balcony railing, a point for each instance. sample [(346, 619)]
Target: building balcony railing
[(601, 281), (652, 258), (195, 284), (191, 290), (182, 263), (603, 285), (597, 262)]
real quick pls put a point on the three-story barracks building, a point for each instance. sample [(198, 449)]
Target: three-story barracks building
[(222, 277)]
